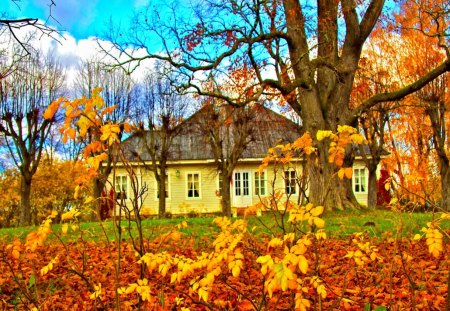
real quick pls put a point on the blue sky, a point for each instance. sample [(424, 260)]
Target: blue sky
[(80, 18)]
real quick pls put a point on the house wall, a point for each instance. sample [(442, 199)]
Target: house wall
[(208, 201), (362, 196)]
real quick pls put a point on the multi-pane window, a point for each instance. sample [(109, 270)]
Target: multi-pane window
[(166, 182), (121, 186), (260, 183), (193, 185), (290, 180), (359, 180), (241, 183)]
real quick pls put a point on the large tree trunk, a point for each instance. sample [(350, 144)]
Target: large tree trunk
[(25, 201), (226, 195), (372, 187), (98, 186), (445, 185), (328, 190)]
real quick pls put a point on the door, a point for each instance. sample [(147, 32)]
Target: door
[(241, 189)]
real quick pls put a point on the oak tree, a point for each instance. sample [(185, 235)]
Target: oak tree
[(307, 52)]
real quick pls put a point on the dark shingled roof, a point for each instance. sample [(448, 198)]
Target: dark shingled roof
[(269, 129)]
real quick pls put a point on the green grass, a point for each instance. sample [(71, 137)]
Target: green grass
[(379, 223)]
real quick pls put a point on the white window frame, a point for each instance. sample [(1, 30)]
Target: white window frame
[(199, 186), (167, 188), (260, 183), (118, 184), (291, 180), (357, 181)]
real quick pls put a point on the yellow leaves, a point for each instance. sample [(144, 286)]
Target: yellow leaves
[(345, 135), (393, 201), (318, 285), (364, 253), (236, 265), (266, 263), (64, 228), (434, 240), (97, 291), (37, 238), (95, 161), (301, 304), (110, 133), (282, 276), (183, 224), (203, 293), (76, 193), (317, 211), (346, 172), (275, 242), (141, 287), (321, 134), (319, 222), (70, 215), (49, 267), (307, 213), (302, 264)]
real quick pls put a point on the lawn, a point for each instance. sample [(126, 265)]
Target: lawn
[(376, 223)]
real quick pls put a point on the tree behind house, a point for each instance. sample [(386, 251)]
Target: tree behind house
[(160, 112), (24, 94), (118, 89)]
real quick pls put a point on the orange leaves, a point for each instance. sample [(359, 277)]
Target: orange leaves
[(37, 238), (364, 253), (285, 154), (346, 172), (53, 108), (16, 248)]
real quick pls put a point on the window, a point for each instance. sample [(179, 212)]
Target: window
[(290, 180), (359, 180), (241, 184), (260, 183), (166, 182), (193, 185), (121, 185)]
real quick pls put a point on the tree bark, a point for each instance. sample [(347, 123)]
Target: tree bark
[(226, 195), (161, 182), (98, 186), (25, 201), (326, 188), (445, 185), (372, 194)]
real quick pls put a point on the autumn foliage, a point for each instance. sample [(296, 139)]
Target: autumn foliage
[(296, 267)]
